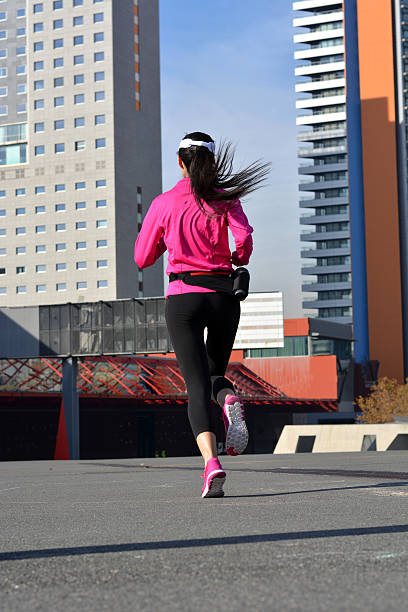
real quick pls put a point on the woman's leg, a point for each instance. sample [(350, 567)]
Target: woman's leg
[(186, 320)]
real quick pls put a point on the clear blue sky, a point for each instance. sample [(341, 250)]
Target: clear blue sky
[(227, 69)]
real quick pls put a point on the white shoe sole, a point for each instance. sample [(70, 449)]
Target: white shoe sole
[(215, 485), (237, 434)]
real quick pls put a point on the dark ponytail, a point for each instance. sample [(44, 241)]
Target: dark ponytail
[(212, 177)]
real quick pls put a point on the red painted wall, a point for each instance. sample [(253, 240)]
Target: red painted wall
[(305, 377)]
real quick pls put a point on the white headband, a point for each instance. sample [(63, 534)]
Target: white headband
[(187, 142)]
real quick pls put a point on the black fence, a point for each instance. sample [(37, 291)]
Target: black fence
[(104, 328)]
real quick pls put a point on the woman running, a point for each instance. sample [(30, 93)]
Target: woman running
[(191, 221)]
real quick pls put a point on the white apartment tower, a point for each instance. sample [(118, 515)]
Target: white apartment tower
[(80, 151), (320, 88)]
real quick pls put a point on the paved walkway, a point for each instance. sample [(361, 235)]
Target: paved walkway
[(298, 532)]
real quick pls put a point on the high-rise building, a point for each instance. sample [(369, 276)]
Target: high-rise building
[(80, 148), (352, 66)]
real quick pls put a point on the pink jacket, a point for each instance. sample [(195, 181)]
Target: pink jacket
[(194, 240)]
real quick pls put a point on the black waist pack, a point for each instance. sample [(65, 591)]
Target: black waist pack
[(235, 283)]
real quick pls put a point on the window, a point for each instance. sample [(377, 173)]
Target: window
[(3, 91), (59, 82), (3, 110), (60, 267), (81, 245), (95, 1), (100, 203), (38, 65), (38, 8), (81, 265), (61, 286), (81, 285), (20, 269), (38, 27), (99, 56), (39, 210), (77, 21), (3, 251), (58, 62), (78, 79), (38, 46), (3, 231), (98, 37), (78, 40), (58, 43), (2, 193), (57, 4), (60, 227), (102, 263), (79, 98), (60, 208), (2, 212), (21, 231), (77, 2), (20, 191), (101, 223), (21, 88), (59, 101), (20, 51), (39, 150), (3, 34), (3, 72), (3, 290), (58, 24), (98, 17), (78, 59), (39, 127), (19, 69), (3, 53), (39, 189), (60, 187), (40, 268), (21, 250), (20, 211), (59, 124), (22, 108), (59, 147), (80, 185), (21, 289), (101, 284), (40, 288), (80, 225), (99, 76), (99, 119), (100, 183), (21, 32), (99, 96), (79, 121), (40, 248), (100, 143), (79, 145), (80, 205), (38, 85), (101, 243), (60, 246), (38, 104), (40, 229)]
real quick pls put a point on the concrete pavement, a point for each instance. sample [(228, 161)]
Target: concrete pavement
[(294, 532)]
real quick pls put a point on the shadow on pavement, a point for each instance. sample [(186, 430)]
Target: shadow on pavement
[(379, 485), (200, 542)]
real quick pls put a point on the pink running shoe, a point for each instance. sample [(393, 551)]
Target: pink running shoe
[(214, 478), (235, 427)]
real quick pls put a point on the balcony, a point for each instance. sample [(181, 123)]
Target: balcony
[(319, 85), (316, 286), (319, 68), (319, 185), (317, 203), (307, 236), (311, 136), (300, 22), (322, 118), (313, 270), (321, 101), (341, 303), (320, 168), (307, 219), (331, 252), (321, 151), (319, 52), (306, 5)]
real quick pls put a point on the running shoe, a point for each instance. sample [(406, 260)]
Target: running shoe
[(236, 431), (214, 478)]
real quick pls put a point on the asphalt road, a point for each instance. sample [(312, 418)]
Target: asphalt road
[(294, 532)]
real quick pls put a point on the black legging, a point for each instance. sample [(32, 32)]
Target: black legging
[(203, 365)]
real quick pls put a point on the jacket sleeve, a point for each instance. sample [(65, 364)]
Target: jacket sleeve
[(241, 231), (150, 245)]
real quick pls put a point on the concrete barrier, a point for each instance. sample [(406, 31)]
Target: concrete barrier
[(342, 438)]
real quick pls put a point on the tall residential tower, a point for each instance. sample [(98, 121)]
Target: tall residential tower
[(80, 153), (352, 99)]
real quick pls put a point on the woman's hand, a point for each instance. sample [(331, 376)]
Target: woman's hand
[(235, 259)]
